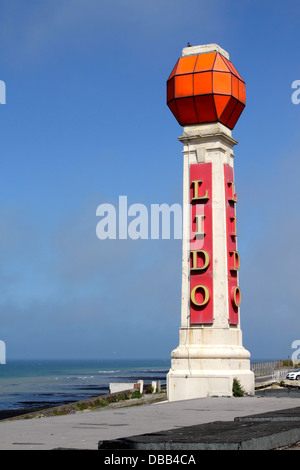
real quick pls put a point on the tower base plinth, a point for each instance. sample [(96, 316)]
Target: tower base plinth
[(206, 372)]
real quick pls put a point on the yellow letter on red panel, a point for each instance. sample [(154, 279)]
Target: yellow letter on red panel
[(205, 293), (196, 254), (196, 197)]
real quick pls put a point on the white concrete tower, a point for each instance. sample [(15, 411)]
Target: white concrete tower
[(207, 95)]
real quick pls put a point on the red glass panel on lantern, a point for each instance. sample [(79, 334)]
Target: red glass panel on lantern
[(235, 115), (202, 83), (221, 102), (242, 92), (205, 62), (222, 83), (170, 89), (220, 65), (235, 86), (228, 110), (173, 108), (174, 70), (186, 64), (205, 108), (186, 111), (232, 68), (184, 85)]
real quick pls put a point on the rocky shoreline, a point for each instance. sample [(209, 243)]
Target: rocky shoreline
[(111, 400)]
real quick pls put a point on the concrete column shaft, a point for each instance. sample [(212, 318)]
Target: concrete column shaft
[(208, 144), (209, 356)]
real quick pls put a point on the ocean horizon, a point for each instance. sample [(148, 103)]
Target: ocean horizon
[(40, 383), (27, 384)]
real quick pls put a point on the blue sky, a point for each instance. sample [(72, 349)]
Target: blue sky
[(86, 121)]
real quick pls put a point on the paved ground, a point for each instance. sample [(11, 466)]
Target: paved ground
[(83, 430)]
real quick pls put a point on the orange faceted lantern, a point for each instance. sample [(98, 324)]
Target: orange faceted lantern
[(206, 88)]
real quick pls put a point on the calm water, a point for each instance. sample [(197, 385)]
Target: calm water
[(34, 383)]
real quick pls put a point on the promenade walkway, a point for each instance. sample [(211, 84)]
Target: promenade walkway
[(83, 430)]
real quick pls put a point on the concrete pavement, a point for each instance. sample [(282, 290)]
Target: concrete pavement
[(83, 430)]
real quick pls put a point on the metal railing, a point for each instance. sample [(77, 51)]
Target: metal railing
[(279, 374), (262, 369)]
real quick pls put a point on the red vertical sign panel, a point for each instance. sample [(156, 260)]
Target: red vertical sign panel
[(201, 244), (232, 253)]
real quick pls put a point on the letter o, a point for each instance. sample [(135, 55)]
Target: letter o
[(205, 297), (236, 296)]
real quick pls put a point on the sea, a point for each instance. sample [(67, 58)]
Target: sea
[(38, 384)]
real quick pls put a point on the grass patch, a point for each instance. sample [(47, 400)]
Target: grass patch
[(136, 395)]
